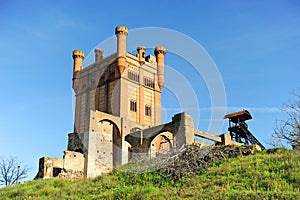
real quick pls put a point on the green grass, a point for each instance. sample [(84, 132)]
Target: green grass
[(273, 175)]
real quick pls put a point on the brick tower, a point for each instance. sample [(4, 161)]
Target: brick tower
[(118, 114), (122, 85)]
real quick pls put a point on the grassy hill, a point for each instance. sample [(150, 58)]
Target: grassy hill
[(263, 175)]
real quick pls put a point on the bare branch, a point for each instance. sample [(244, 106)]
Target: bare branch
[(12, 171), (288, 130)]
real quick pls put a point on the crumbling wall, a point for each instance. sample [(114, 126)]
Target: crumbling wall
[(185, 129), (49, 167), (75, 142), (71, 166), (73, 161)]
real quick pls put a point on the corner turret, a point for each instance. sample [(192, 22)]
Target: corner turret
[(98, 55), (78, 56), (121, 34), (160, 52)]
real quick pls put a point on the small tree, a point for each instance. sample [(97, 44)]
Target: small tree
[(11, 171), (288, 130)]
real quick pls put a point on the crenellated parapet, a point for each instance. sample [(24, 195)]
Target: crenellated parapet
[(160, 50), (78, 56), (121, 30)]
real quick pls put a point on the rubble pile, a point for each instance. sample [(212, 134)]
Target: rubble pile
[(71, 174), (191, 159)]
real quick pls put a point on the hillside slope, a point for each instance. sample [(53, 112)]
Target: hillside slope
[(273, 175)]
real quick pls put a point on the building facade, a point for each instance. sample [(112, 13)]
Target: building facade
[(118, 114), (115, 96)]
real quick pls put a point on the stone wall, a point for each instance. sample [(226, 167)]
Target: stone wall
[(49, 167), (73, 161), (71, 166)]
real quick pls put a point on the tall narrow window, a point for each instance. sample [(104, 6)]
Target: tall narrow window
[(148, 110), (148, 82), (133, 105), (133, 76)]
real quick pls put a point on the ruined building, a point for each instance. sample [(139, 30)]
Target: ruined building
[(118, 114)]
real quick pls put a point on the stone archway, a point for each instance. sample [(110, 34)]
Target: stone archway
[(163, 143), (141, 140), (101, 116), (181, 128), (112, 140)]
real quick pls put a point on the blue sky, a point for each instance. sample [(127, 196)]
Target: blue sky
[(255, 45)]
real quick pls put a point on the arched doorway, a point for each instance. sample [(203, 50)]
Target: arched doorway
[(163, 143), (111, 141)]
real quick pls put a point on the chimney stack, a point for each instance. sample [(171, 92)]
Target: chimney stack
[(98, 55)]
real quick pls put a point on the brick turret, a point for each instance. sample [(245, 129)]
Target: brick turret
[(121, 34), (160, 57)]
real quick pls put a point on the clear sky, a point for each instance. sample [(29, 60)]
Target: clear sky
[(254, 44)]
